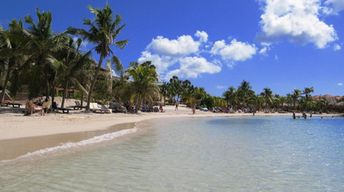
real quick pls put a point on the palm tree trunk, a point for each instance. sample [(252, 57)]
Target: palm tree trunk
[(53, 93), (65, 89), (82, 99), (5, 85), (47, 85), (89, 97)]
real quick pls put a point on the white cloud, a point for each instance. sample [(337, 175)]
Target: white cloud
[(337, 47), (188, 56), (181, 56), (333, 6), (161, 62), (234, 51), (297, 20), (340, 84), (183, 45), (265, 48), (192, 67), (202, 35)]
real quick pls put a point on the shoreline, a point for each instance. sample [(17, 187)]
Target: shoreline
[(20, 135)]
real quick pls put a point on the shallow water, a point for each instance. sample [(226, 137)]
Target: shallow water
[(198, 154)]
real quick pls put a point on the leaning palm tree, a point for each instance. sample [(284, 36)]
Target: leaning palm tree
[(103, 32), (144, 82)]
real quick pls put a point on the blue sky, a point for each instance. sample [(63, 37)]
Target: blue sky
[(281, 44)]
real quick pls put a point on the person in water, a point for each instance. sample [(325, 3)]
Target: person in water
[(294, 116), (304, 115)]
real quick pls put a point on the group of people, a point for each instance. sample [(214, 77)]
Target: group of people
[(39, 106), (304, 115)]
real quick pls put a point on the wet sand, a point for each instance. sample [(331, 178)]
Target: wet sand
[(12, 148)]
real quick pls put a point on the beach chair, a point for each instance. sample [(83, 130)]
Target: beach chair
[(105, 109), (78, 106), (94, 107)]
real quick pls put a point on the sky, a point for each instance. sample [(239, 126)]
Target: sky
[(280, 44)]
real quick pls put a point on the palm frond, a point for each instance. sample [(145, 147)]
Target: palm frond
[(121, 44)]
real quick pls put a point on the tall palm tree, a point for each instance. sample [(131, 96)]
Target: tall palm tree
[(245, 93), (289, 99), (186, 88), (295, 97), (307, 100), (75, 67), (307, 92), (45, 45), (230, 96), (102, 31), (164, 91), (13, 51), (268, 97), (175, 88), (144, 82)]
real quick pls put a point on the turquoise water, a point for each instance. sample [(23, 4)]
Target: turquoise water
[(198, 154)]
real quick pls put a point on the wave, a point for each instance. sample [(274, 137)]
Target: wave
[(71, 145)]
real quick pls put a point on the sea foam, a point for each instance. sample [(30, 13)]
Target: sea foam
[(71, 145)]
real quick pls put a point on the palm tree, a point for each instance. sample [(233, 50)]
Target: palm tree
[(45, 45), (103, 31), (307, 100), (289, 100), (231, 97), (144, 82), (268, 98), (164, 91), (307, 92), (245, 93), (13, 52), (186, 88), (196, 96), (175, 88), (295, 97), (75, 67)]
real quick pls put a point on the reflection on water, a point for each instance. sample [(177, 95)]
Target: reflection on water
[(210, 154)]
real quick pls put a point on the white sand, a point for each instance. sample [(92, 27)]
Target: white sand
[(13, 126)]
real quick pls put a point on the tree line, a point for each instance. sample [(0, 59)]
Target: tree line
[(244, 98)]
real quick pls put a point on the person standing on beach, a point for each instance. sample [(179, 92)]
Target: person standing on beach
[(45, 106), (176, 109)]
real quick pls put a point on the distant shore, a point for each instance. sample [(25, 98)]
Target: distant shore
[(21, 134)]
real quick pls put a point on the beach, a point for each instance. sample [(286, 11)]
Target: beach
[(14, 125), (23, 134)]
